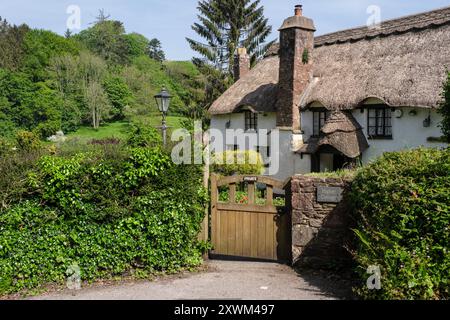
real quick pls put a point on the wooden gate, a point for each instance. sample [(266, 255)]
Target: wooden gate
[(253, 228)]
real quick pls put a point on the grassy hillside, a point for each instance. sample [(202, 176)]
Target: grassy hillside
[(102, 77), (119, 129)]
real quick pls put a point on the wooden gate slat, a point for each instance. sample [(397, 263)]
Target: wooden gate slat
[(231, 243), (247, 240), (254, 235), (247, 208), (261, 236), (233, 193), (239, 234), (223, 247), (251, 193), (269, 236)]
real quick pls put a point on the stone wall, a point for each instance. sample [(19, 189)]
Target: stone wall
[(320, 230)]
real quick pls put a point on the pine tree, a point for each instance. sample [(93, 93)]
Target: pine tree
[(226, 25), (68, 34), (102, 16), (11, 44), (155, 50)]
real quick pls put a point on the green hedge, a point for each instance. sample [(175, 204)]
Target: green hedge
[(230, 163), (110, 212), (402, 209)]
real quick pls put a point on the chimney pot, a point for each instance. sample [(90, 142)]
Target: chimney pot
[(299, 10)]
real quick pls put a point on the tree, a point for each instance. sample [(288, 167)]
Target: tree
[(76, 78), (155, 50), (107, 39), (138, 44), (11, 45), (444, 110), (227, 25), (68, 34), (40, 47), (97, 101), (119, 95), (26, 104), (102, 16)]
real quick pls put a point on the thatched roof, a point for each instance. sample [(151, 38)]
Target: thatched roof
[(403, 63), (258, 90), (342, 132)]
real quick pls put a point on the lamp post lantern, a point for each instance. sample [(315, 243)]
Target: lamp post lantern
[(163, 101)]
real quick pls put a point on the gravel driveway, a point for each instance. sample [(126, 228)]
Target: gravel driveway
[(220, 280)]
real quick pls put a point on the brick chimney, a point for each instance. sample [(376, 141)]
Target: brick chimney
[(241, 63), (296, 46)]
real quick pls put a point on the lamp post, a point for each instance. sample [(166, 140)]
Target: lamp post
[(163, 102)]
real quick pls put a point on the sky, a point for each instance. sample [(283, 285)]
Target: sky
[(171, 20)]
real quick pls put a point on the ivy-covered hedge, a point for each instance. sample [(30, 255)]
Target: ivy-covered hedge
[(110, 212), (402, 209)]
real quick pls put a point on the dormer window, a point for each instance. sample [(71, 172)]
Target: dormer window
[(320, 116), (251, 121), (379, 122)]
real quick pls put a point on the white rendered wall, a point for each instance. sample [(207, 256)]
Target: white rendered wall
[(289, 162), (408, 132)]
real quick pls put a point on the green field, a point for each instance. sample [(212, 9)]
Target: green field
[(119, 129)]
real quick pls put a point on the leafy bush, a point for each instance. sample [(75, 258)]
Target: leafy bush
[(27, 141), (6, 147), (142, 135), (108, 213), (402, 208), (230, 163), (14, 169), (47, 129)]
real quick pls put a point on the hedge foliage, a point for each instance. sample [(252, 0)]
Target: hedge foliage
[(402, 210), (230, 163), (110, 211)]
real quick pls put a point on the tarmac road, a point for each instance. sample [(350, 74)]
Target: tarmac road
[(220, 280)]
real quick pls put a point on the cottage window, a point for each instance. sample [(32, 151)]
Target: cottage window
[(380, 123), (251, 121), (319, 119)]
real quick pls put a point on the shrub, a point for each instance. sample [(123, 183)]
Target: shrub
[(6, 147), (47, 129), (14, 169), (230, 163), (105, 142), (110, 214), (402, 209), (142, 135), (27, 141)]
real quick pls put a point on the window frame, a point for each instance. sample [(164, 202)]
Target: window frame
[(323, 115), (382, 122), (251, 121)]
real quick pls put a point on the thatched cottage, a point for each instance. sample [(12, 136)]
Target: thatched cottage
[(343, 97)]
